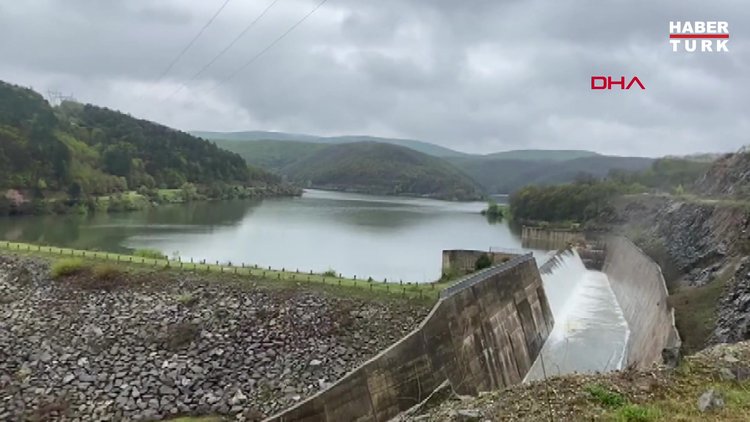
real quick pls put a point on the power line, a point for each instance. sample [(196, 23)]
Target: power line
[(269, 46), (223, 51), (190, 44)]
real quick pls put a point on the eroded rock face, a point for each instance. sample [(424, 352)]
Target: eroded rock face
[(733, 321), (167, 347)]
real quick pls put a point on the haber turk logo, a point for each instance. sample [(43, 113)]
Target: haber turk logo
[(701, 36)]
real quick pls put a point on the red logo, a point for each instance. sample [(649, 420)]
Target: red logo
[(606, 82)]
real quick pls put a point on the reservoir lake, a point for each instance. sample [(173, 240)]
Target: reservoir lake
[(368, 236)]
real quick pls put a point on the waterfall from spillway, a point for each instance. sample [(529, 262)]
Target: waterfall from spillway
[(590, 332)]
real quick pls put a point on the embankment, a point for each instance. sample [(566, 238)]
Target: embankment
[(483, 334), (641, 291), (115, 346)]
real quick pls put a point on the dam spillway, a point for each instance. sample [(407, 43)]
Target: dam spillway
[(487, 330), (590, 332)]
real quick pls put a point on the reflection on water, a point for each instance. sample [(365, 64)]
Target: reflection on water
[(367, 236)]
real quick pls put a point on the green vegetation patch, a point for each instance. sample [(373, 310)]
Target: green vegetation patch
[(106, 271), (637, 413), (149, 253), (605, 396), (67, 266), (695, 310)]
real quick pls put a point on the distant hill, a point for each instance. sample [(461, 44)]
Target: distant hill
[(421, 146), (502, 175), (541, 155), (502, 172), (271, 155), (79, 150), (385, 169)]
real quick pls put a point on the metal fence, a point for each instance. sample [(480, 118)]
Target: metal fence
[(476, 277)]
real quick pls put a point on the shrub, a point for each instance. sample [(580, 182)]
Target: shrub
[(482, 262), (149, 253), (187, 299), (604, 396), (106, 272), (330, 273), (66, 267)]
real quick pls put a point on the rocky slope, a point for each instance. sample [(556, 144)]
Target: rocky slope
[(729, 176), (148, 346), (709, 386), (698, 243)]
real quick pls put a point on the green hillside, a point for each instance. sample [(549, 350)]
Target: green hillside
[(541, 155), (75, 151), (421, 146), (370, 167), (501, 175), (271, 155)]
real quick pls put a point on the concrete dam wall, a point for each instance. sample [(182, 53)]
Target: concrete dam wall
[(640, 289), (536, 238), (483, 334)]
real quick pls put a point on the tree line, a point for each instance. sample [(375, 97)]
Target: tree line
[(589, 198)]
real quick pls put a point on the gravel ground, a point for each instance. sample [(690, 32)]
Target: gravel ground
[(120, 346)]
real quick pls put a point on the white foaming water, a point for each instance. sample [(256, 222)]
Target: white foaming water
[(590, 332)]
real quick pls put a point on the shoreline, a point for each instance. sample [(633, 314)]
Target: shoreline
[(249, 272)]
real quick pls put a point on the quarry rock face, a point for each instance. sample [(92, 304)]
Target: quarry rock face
[(701, 240), (171, 345), (733, 320)]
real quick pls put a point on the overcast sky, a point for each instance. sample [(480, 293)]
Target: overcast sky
[(476, 76)]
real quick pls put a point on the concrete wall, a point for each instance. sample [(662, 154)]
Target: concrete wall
[(462, 261), (549, 239), (640, 289), (482, 337)]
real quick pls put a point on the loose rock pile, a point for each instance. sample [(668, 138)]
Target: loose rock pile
[(156, 347), (733, 318)]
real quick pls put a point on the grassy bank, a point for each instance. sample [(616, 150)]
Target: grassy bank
[(430, 291)]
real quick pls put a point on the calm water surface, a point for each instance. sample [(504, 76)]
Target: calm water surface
[(363, 235)]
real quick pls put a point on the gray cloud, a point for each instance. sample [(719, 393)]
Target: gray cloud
[(476, 76)]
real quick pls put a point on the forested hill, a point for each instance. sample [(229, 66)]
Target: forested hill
[(146, 153), (377, 168), (281, 137), (77, 150)]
